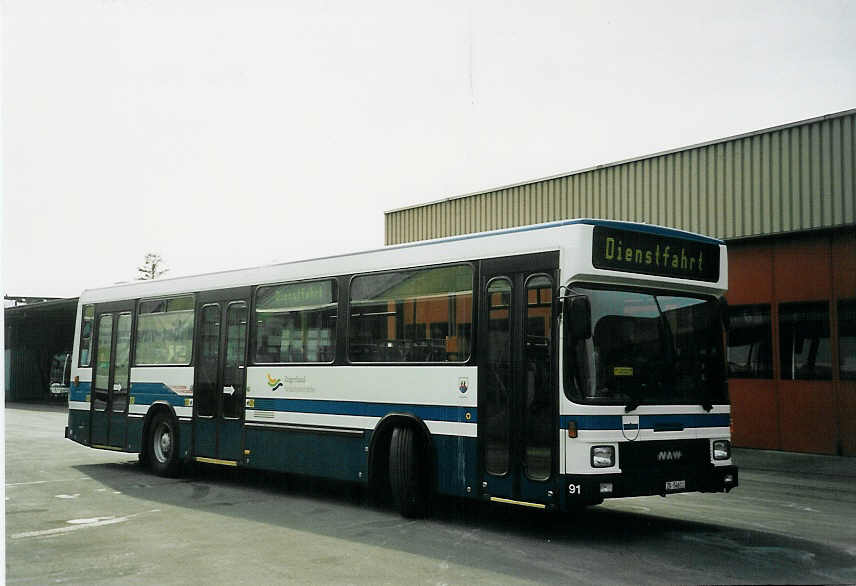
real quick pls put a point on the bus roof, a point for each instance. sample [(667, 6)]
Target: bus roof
[(156, 287)]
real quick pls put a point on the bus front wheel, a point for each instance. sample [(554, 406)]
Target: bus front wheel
[(163, 445), (407, 474)]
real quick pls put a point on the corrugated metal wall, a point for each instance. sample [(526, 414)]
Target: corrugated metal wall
[(789, 178)]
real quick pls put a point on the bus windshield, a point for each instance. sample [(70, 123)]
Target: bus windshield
[(647, 348)]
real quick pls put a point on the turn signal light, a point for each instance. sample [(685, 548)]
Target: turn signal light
[(572, 429)]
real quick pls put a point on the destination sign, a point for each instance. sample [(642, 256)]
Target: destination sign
[(652, 254)]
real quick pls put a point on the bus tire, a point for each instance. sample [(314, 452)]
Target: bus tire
[(162, 449), (407, 474)]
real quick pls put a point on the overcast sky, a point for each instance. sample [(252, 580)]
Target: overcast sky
[(232, 134)]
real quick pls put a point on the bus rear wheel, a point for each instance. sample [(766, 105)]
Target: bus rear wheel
[(163, 445), (407, 474)]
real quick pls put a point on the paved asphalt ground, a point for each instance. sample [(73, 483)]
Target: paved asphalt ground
[(78, 515)]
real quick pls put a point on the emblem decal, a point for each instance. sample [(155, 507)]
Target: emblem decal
[(630, 427), (273, 383)]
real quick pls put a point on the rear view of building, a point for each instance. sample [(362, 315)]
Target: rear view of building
[(783, 199)]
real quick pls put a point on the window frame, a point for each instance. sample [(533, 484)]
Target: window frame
[(830, 340), (772, 334), (136, 330), (254, 326), (80, 363), (471, 357), (839, 304), (575, 395)]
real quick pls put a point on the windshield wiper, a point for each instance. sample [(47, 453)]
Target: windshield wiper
[(706, 404), (635, 398), (633, 404)]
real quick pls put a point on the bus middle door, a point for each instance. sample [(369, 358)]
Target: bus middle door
[(219, 388)]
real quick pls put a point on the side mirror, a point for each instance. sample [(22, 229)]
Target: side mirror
[(66, 371), (578, 317)]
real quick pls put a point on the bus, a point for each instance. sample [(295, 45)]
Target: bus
[(549, 366), (60, 373)]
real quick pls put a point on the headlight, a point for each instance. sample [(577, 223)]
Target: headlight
[(602, 456), (721, 450)]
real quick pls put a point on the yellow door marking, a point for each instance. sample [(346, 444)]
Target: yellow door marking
[(497, 499), (114, 448), (216, 461)]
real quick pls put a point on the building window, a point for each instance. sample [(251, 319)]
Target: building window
[(165, 331), (750, 342), (804, 346), (412, 316), (847, 338), (296, 322)]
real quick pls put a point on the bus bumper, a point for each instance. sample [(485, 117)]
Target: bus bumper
[(586, 489), (76, 436)]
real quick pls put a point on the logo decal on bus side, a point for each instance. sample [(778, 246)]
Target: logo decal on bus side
[(463, 385), (274, 383)]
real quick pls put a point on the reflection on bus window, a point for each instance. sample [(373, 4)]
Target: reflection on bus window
[(296, 322), (648, 349), (86, 334), (165, 331), (412, 316), (498, 382), (538, 364)]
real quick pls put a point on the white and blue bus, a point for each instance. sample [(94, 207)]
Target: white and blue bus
[(548, 366)]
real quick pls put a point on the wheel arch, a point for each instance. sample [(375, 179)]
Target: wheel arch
[(378, 463), (154, 409)]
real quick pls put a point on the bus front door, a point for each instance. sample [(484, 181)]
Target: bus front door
[(518, 402), (219, 388), (111, 378)]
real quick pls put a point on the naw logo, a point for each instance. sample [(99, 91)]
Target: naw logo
[(274, 383), (669, 455)]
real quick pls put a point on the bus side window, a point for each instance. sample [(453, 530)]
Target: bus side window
[(86, 334)]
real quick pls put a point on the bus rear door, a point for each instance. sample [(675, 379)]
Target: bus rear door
[(111, 376)]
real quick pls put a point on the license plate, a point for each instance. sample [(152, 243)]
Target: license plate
[(676, 485)]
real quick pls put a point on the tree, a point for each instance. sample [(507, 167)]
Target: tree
[(152, 267)]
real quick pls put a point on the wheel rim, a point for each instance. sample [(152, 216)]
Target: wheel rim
[(162, 443)]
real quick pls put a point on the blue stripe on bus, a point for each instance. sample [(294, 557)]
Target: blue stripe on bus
[(426, 412), (143, 393), (148, 393), (78, 392), (613, 422)]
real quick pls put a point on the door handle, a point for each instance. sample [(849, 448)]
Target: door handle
[(229, 390)]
